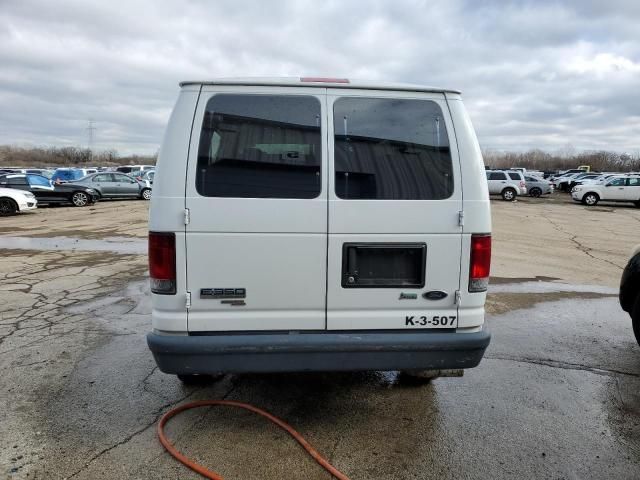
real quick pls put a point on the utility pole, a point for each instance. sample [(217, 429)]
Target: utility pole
[(90, 132)]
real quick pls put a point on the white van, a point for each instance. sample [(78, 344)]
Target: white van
[(318, 224)]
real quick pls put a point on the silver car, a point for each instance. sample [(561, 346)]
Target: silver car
[(538, 186), (116, 185)]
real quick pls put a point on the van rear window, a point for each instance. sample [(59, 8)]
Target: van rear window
[(391, 149), (260, 146)]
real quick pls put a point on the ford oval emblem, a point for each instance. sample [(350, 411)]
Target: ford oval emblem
[(435, 295)]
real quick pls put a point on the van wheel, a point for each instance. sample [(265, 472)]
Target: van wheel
[(146, 194), (7, 207), (591, 199), (80, 199), (509, 194), (535, 192), (635, 319), (195, 379), (637, 204)]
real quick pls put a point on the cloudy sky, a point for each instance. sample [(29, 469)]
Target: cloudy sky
[(533, 74)]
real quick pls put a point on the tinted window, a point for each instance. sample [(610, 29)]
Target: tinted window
[(391, 149), (38, 180), (633, 182), (260, 146), (617, 181), (17, 181), (514, 176), (497, 176)]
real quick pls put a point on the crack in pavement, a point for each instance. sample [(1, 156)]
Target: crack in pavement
[(579, 246), (562, 365), (157, 414), (195, 422)]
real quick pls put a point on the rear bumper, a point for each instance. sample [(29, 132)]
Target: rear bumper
[(341, 351)]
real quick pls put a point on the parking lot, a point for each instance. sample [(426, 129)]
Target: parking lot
[(557, 395)]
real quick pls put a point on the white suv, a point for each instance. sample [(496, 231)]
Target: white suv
[(318, 224), (617, 189), (506, 183)]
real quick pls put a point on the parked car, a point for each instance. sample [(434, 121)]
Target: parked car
[(580, 179), (537, 186), (61, 175), (148, 176), (131, 168), (508, 184), (116, 185), (599, 180), (630, 291), (50, 193), (618, 189), (386, 281), (562, 183), (13, 201)]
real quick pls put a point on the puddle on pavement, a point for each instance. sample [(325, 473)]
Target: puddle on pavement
[(121, 245)]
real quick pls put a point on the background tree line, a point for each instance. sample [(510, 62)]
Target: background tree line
[(67, 156)]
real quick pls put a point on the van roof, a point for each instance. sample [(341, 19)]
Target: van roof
[(319, 82)]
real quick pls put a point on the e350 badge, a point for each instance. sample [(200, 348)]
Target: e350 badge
[(230, 296)]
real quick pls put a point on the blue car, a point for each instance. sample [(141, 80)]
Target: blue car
[(62, 175)]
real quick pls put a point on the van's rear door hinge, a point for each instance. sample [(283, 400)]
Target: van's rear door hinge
[(458, 299), (187, 216), (461, 218), (187, 300)]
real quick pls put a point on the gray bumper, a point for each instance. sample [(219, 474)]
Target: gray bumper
[(331, 351)]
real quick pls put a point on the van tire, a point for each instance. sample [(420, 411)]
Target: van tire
[(7, 207), (590, 199), (535, 192), (195, 379), (637, 203), (509, 194)]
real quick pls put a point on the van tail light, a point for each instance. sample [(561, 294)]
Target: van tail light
[(162, 262), (522, 184), (480, 262)]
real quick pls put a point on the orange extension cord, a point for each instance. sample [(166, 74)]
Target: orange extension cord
[(230, 403)]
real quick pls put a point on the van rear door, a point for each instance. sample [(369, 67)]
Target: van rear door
[(395, 202), (256, 198)]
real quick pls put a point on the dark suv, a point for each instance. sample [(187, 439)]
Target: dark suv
[(630, 291)]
